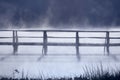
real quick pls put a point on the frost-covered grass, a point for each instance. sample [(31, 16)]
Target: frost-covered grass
[(90, 74), (105, 76)]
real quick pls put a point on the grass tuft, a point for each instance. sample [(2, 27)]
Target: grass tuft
[(90, 74)]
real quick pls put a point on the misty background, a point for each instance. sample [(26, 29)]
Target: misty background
[(59, 13)]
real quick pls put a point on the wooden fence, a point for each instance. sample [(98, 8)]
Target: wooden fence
[(15, 40)]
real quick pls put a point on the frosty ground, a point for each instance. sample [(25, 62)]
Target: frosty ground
[(60, 61)]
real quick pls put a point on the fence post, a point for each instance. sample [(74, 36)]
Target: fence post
[(107, 43), (45, 42), (15, 42), (77, 45), (14, 50)]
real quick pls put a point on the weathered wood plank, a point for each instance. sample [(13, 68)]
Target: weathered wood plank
[(5, 37), (29, 37), (58, 44), (6, 43), (61, 44), (26, 30), (29, 43)]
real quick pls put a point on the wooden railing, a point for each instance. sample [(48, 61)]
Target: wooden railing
[(15, 43)]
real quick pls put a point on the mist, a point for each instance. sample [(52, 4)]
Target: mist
[(59, 14)]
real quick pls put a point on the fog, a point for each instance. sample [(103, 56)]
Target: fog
[(60, 61), (59, 14), (29, 59)]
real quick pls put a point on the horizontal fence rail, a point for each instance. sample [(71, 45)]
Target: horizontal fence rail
[(15, 40)]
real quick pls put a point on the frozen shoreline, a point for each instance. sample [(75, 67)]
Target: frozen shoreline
[(57, 66)]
